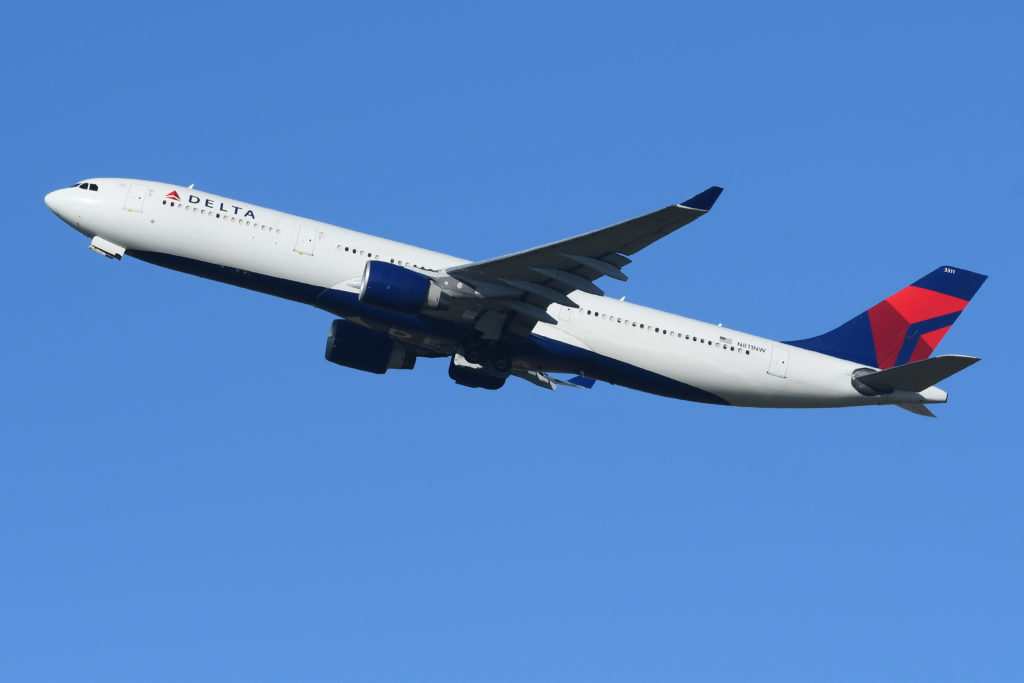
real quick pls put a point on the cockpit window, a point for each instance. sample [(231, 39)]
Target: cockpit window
[(94, 187), (87, 186)]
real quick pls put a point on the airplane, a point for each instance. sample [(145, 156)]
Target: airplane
[(534, 314)]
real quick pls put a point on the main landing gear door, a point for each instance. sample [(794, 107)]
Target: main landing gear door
[(779, 362), (136, 197)]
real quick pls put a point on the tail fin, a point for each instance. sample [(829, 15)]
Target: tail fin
[(904, 328)]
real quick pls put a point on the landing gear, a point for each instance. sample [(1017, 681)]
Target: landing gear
[(481, 364)]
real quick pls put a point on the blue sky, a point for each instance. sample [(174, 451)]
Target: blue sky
[(188, 491)]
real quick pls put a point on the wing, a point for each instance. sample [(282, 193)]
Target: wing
[(524, 284)]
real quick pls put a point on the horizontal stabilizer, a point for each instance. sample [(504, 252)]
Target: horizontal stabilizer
[(916, 409), (917, 376)]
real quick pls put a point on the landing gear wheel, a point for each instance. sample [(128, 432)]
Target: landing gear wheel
[(482, 364)]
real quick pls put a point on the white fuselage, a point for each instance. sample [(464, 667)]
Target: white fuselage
[(299, 258)]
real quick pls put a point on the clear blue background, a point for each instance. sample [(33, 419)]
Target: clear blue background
[(189, 492)]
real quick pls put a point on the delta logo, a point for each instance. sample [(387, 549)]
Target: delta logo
[(210, 204)]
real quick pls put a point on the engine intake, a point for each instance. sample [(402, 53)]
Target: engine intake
[(355, 346)]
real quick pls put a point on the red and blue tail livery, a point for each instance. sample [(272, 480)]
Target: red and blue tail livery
[(904, 328)]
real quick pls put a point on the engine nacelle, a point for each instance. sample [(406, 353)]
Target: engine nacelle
[(395, 288), (355, 346)]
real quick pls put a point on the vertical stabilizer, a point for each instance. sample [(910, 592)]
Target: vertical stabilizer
[(905, 327)]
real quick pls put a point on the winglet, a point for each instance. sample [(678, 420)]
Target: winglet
[(703, 201)]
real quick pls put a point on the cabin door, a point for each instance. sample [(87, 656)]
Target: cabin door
[(779, 362), (136, 197), (305, 243)]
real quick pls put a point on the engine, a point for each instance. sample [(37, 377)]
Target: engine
[(399, 289), (355, 346)]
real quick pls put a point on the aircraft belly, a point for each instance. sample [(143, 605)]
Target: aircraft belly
[(737, 378), (812, 381)]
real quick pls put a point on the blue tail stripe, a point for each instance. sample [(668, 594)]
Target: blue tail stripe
[(851, 341), (952, 281), (923, 327)]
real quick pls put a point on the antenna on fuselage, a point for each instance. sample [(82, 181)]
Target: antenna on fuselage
[(192, 186)]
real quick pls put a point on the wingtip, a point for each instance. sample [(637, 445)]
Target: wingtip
[(705, 200)]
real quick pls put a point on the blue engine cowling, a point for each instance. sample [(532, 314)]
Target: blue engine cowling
[(355, 346), (395, 288)]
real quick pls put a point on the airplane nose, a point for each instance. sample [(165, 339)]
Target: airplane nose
[(59, 202), (51, 200), (64, 206)]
